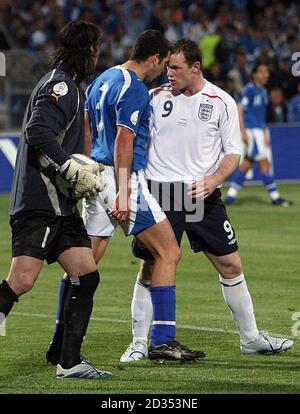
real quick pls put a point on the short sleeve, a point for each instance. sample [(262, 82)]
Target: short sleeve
[(230, 128), (246, 98), (130, 107)]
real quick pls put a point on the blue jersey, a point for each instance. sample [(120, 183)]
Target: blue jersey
[(254, 101), (118, 97)]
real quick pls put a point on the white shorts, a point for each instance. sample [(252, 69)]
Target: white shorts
[(257, 149), (144, 209)]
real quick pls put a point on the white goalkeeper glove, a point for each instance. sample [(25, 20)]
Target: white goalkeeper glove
[(85, 180)]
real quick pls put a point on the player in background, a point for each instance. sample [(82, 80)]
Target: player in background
[(118, 112), (45, 223), (252, 114), (193, 122)]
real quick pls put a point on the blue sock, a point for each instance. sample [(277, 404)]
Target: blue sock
[(238, 178), (269, 182), (164, 314), (237, 182), (63, 292)]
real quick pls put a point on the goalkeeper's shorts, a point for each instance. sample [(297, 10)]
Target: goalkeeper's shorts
[(43, 236), (144, 209)]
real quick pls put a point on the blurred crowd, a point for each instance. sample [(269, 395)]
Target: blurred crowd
[(232, 35)]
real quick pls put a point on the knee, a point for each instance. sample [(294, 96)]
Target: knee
[(177, 254), (172, 255), (232, 269), (24, 284)]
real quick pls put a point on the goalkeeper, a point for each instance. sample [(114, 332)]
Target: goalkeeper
[(45, 222)]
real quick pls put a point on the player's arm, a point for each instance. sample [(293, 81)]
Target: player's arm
[(51, 115), (129, 110), (205, 186), (123, 157), (87, 148), (231, 141), (244, 134)]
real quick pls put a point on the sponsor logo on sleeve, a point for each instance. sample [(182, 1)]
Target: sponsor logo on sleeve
[(59, 89), (134, 117)]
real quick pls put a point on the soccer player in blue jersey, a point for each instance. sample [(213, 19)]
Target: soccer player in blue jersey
[(117, 133), (252, 113)]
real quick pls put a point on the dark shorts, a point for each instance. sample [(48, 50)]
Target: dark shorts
[(46, 237), (214, 233)]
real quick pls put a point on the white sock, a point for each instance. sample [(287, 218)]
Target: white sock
[(274, 195), (232, 192), (141, 309), (237, 297)]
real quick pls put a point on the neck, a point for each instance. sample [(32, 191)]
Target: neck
[(137, 68), (259, 84), (195, 87)]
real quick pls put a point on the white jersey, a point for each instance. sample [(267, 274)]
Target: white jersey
[(189, 134)]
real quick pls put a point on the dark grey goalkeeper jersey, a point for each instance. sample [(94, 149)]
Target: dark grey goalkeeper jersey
[(52, 129)]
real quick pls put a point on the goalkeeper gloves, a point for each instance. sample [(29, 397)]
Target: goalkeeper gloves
[(85, 180)]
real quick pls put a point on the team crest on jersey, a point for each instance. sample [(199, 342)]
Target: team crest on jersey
[(205, 112)]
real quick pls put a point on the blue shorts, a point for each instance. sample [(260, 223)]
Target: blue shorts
[(144, 209)]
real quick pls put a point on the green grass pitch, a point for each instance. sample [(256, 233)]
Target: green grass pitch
[(269, 245)]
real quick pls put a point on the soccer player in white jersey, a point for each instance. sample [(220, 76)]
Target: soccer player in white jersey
[(118, 113), (252, 112), (193, 121)]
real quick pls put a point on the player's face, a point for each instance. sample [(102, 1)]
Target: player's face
[(261, 76), (158, 68), (95, 51), (180, 74)]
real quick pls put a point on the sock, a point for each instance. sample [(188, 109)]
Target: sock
[(7, 298), (77, 312), (141, 309), (270, 185), (237, 182), (58, 333), (237, 297), (164, 310)]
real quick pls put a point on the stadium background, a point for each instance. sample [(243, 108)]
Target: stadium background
[(232, 35)]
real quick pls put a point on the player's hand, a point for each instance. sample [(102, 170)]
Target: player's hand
[(245, 137), (203, 187), (120, 211), (86, 179)]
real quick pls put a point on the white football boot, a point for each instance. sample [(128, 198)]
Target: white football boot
[(136, 351), (263, 343), (84, 370)]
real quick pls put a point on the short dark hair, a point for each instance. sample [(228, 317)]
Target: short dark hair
[(148, 44), (75, 40), (257, 66), (189, 49)]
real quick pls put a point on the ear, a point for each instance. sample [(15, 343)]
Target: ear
[(154, 59), (196, 67)]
